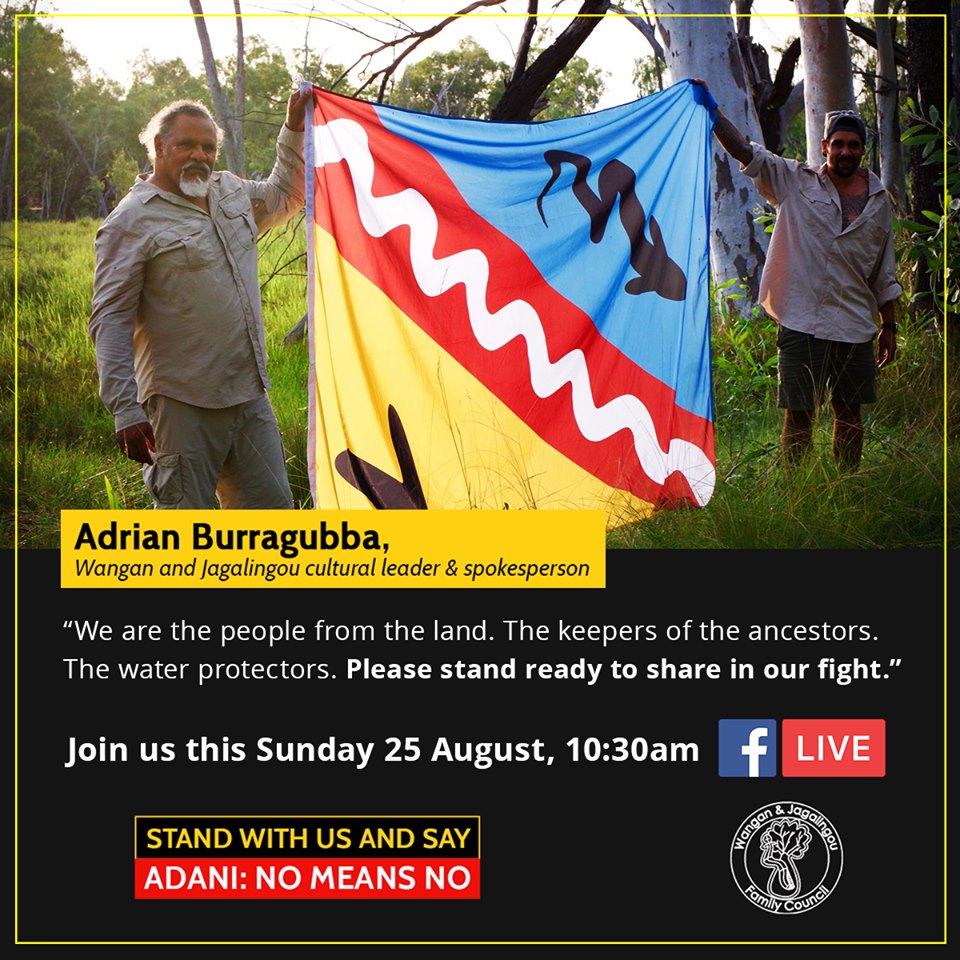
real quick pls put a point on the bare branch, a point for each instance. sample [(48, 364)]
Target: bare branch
[(239, 92), (743, 18), (221, 106), (523, 51), (414, 38), (353, 28), (287, 237), (306, 44), (520, 99), (646, 28), (783, 82), (869, 36)]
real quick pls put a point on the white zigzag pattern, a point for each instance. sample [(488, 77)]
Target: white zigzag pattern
[(346, 140)]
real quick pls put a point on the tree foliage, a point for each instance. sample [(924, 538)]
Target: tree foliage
[(268, 84), (329, 76), (468, 82), (52, 82), (78, 137), (576, 90), (463, 82), (929, 252), (647, 75)]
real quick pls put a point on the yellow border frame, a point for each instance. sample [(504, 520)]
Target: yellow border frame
[(16, 562)]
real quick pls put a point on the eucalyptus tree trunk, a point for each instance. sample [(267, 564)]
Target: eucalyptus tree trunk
[(888, 100), (239, 95), (706, 46), (230, 120), (827, 68)]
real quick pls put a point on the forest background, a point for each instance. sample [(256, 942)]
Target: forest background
[(70, 150)]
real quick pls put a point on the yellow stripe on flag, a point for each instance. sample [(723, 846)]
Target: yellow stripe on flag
[(471, 451)]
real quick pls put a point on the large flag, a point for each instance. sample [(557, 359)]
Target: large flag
[(507, 315)]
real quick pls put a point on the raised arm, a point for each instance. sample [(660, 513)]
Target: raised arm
[(731, 139), (279, 197)]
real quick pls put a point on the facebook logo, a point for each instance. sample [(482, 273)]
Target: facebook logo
[(748, 748)]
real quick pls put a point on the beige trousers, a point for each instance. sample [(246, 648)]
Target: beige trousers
[(232, 455)]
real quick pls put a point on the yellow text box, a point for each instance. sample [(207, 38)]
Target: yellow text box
[(350, 548)]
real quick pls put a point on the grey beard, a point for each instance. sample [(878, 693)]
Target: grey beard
[(194, 188)]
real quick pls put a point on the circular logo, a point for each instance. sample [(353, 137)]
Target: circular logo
[(786, 857)]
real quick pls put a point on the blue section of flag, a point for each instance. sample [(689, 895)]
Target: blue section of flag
[(747, 748), (664, 141)]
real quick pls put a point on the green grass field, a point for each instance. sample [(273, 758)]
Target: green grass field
[(65, 455)]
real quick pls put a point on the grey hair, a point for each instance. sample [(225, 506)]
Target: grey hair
[(162, 123)]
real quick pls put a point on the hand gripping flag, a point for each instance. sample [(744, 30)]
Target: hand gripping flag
[(509, 315)]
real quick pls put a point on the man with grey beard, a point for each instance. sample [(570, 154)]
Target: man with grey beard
[(176, 318)]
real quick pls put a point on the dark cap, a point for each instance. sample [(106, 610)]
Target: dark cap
[(844, 120)]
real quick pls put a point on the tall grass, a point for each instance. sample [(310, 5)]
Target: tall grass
[(895, 500), (67, 456)]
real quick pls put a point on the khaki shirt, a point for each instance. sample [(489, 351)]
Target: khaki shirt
[(176, 296), (820, 278)]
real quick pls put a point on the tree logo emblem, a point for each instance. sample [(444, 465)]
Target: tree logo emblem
[(786, 857)]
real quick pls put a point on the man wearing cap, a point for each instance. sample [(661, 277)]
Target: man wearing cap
[(828, 276)]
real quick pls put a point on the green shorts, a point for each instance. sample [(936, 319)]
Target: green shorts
[(807, 367)]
